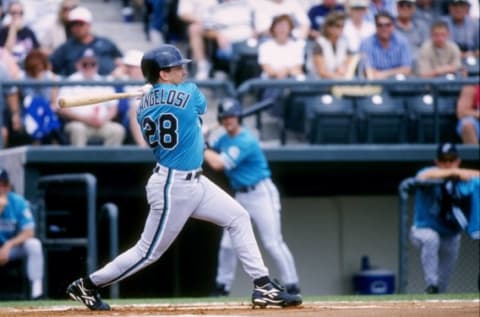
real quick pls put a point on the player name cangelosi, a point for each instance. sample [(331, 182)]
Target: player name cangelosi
[(165, 97)]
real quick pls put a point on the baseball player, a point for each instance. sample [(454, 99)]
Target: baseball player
[(434, 230), (17, 230), (169, 116), (238, 153)]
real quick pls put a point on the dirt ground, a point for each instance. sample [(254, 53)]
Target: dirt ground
[(438, 308)]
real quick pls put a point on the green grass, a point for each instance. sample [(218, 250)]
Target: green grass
[(146, 301)]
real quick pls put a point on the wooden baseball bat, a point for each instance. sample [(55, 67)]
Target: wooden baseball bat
[(66, 102)]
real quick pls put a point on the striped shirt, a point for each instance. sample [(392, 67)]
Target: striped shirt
[(397, 54)]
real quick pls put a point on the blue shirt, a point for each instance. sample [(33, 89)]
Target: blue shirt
[(15, 218), (244, 161), (169, 116), (428, 207), (317, 14), (397, 54), (465, 35)]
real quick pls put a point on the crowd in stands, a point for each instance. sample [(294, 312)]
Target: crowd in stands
[(312, 39)]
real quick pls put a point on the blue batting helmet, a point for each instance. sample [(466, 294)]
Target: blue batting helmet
[(163, 57), (229, 107)]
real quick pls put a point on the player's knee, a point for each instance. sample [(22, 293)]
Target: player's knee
[(33, 246)]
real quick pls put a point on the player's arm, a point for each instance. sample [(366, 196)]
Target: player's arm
[(214, 160), (443, 173)]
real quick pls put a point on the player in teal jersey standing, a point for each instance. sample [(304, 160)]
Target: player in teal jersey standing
[(238, 153), (169, 116)]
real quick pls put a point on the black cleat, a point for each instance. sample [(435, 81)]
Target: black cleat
[(292, 289), (432, 289), (272, 294), (219, 291), (89, 297)]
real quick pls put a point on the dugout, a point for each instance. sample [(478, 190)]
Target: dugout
[(339, 203)]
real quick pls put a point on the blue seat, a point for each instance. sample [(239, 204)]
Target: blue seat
[(382, 119), (422, 116), (330, 120)]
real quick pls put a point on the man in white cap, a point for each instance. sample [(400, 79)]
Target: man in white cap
[(64, 57)]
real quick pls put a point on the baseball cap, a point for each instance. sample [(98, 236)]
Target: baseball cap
[(358, 3), (460, 2), (80, 14), (447, 151), (133, 58), (88, 53), (4, 176)]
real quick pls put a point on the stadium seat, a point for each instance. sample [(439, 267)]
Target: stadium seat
[(332, 119), (382, 119), (244, 62), (422, 115)]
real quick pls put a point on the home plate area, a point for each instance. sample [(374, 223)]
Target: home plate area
[(434, 308)]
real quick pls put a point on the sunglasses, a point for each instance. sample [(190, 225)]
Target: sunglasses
[(384, 25), (77, 23), (89, 64), (16, 12), (405, 5)]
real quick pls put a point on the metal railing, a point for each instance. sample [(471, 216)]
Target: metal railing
[(433, 86)]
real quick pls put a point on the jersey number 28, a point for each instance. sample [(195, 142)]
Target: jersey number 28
[(163, 132)]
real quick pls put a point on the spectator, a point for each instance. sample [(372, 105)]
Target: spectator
[(434, 230), (318, 12), (386, 53), (377, 6), (438, 56), (357, 28), (427, 11), (237, 152), (194, 13), (56, 30), (468, 114), (463, 29), (266, 10), (330, 57), (281, 57), (156, 20), (17, 235), (64, 58), (95, 121), (41, 122), (415, 31), (15, 36), (12, 129), (127, 108)]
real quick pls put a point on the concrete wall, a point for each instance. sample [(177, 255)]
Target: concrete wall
[(328, 236)]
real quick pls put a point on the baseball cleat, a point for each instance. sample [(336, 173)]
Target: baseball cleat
[(271, 294), (89, 297)]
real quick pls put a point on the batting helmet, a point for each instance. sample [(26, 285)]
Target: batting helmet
[(163, 57), (229, 107)]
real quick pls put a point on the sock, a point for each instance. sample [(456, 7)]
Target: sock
[(261, 281), (37, 288), (87, 282)]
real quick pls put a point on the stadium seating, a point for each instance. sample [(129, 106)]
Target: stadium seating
[(332, 120), (382, 119)]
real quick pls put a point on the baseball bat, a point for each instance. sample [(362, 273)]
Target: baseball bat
[(66, 102)]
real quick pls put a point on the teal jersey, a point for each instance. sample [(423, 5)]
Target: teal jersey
[(428, 206), (244, 161), (169, 116), (15, 218)]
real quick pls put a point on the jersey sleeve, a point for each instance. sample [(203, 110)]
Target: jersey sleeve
[(200, 101), (234, 154), (24, 214)]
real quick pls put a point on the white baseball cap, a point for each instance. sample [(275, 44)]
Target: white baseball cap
[(80, 14), (358, 3), (133, 58)]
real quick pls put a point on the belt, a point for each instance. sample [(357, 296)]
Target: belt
[(246, 189), (188, 177)]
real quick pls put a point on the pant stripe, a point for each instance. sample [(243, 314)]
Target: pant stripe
[(158, 232)]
